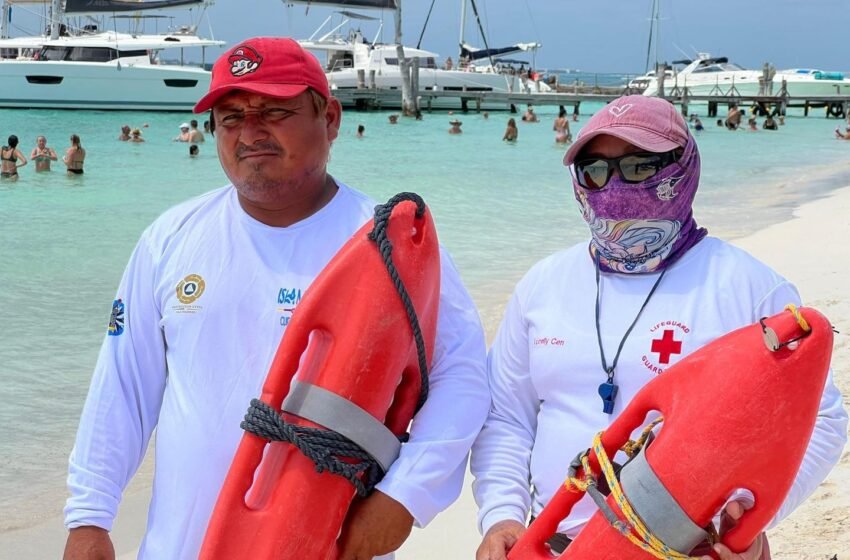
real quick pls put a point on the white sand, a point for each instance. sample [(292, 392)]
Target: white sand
[(811, 250)]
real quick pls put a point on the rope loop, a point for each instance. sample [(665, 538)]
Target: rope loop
[(385, 247), (632, 527), (799, 317), (324, 447)]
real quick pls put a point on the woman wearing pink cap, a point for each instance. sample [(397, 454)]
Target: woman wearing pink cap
[(589, 326)]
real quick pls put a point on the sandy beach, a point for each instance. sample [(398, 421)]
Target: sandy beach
[(809, 250)]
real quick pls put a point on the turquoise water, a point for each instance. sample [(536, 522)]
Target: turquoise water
[(499, 208)]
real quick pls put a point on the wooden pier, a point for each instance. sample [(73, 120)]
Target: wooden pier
[(837, 106)]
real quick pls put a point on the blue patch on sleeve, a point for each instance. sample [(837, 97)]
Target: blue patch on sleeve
[(116, 320)]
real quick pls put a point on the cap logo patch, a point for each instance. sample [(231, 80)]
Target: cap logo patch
[(620, 110), (244, 60)]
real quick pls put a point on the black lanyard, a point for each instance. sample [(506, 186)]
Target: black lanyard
[(608, 390)]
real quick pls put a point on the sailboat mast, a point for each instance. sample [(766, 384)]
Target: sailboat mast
[(55, 18), (654, 34), (408, 102), (462, 27), (4, 23), (657, 29)]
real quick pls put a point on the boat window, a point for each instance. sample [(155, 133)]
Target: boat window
[(423, 63), (466, 88), (53, 53), (132, 54), (92, 54), (707, 69)]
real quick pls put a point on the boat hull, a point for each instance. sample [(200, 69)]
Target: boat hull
[(346, 81), (748, 85), (92, 85)]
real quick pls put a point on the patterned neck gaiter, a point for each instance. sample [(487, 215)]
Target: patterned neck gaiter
[(644, 227)]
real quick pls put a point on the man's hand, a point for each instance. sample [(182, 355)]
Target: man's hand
[(499, 540), (759, 550), (375, 526), (89, 543)]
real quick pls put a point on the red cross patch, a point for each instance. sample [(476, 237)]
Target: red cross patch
[(666, 346)]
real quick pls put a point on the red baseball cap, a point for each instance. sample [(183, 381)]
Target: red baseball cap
[(272, 66), (646, 122)]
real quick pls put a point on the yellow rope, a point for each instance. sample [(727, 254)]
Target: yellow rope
[(799, 316), (644, 539)]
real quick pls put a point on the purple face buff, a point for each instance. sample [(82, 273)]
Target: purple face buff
[(644, 227)]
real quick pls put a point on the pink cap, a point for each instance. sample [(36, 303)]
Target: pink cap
[(272, 66), (649, 123)]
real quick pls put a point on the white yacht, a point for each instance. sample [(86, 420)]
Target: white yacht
[(353, 62), (88, 69), (717, 76)]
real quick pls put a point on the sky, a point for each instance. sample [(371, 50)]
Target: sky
[(595, 35), (589, 35)]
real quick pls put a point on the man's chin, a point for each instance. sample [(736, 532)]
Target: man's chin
[(260, 187)]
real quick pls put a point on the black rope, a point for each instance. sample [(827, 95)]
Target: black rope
[(323, 447), (385, 246), (326, 447)]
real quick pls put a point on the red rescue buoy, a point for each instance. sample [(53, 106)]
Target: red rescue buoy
[(350, 337), (738, 413)]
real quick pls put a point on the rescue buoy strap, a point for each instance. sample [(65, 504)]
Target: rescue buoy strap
[(633, 528), (340, 415), (659, 510), (323, 447), (636, 531)]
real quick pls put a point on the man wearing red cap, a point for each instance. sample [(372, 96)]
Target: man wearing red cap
[(204, 302), (589, 326)]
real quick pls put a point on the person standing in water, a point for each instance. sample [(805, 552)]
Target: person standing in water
[(561, 126), (42, 155), (511, 132), (11, 159), (75, 155)]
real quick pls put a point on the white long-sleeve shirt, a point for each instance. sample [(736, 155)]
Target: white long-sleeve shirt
[(206, 297), (545, 368)]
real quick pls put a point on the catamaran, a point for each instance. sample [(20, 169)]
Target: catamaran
[(86, 68), (353, 62)]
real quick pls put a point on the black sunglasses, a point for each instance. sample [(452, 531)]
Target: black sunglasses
[(594, 172)]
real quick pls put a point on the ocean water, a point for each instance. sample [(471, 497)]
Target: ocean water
[(499, 208)]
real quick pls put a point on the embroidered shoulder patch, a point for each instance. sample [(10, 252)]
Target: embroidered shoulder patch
[(116, 320)]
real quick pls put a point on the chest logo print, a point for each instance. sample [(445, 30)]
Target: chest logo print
[(666, 346), (190, 289)]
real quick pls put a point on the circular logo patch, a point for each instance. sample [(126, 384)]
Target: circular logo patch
[(190, 289)]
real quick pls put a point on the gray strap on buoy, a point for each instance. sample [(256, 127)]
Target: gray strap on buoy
[(660, 512), (342, 416)]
